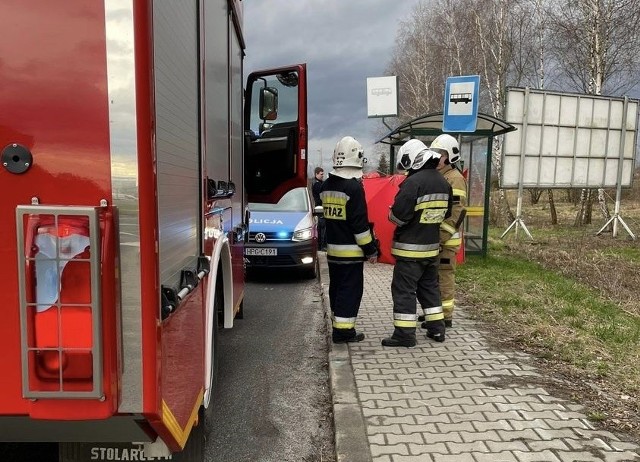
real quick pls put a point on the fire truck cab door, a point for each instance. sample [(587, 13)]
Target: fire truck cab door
[(275, 124)]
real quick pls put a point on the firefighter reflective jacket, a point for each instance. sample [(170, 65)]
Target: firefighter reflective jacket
[(420, 206), (347, 225), (450, 236)]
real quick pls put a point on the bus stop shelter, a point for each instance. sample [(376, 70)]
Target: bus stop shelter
[(475, 151)]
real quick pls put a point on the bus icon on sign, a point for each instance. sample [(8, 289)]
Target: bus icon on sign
[(456, 98), (380, 91)]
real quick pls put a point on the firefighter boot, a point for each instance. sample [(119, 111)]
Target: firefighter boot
[(346, 336), (447, 323), (435, 330), (401, 337)]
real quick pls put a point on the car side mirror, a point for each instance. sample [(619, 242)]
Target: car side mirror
[(318, 211)]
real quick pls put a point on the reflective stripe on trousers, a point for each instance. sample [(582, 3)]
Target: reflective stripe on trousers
[(419, 251), (344, 250)]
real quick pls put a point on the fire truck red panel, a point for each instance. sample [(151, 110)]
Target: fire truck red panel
[(58, 111)]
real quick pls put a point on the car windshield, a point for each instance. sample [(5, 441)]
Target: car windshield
[(295, 200)]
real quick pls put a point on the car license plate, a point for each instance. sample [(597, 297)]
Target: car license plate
[(263, 252)]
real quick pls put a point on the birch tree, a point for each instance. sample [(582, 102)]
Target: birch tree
[(599, 48), (494, 27), (429, 48)]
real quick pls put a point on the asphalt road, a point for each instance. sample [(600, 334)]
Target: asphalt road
[(273, 401)]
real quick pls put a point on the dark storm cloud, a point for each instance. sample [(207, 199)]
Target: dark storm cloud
[(342, 42)]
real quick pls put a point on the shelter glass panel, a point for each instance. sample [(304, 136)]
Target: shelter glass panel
[(474, 156)]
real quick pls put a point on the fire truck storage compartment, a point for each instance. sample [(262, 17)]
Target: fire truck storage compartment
[(177, 136)]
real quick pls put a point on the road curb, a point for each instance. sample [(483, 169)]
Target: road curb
[(350, 434)]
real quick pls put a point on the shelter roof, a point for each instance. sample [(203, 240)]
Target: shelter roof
[(431, 125)]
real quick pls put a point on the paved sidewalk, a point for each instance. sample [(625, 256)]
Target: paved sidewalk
[(453, 401)]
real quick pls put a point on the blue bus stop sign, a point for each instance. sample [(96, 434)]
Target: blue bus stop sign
[(461, 104)]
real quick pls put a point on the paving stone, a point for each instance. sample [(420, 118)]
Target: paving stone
[(384, 458), (540, 445), (458, 448), (542, 456), (453, 458), (375, 429), (416, 438), (524, 434), (489, 435), (460, 401), (419, 458), (382, 420), (455, 427), (621, 457), (592, 443), (584, 456), (377, 450), (377, 439), (428, 448), (498, 446), (504, 456), (496, 425)]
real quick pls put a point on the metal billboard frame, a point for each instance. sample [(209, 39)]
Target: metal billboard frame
[(599, 151)]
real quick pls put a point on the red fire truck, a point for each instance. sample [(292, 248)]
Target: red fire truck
[(127, 165)]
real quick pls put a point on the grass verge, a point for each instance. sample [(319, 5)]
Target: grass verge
[(554, 316)]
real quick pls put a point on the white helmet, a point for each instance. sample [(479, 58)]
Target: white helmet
[(348, 158), (414, 154), (447, 143)]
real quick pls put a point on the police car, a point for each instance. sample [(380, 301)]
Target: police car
[(283, 235)]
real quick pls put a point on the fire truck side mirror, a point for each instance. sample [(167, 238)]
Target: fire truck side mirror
[(268, 103)]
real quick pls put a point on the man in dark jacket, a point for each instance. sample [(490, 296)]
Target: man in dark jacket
[(316, 187), (349, 238), (423, 201)]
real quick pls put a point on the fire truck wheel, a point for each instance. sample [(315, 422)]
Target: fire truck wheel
[(206, 415), (218, 308), (240, 314), (195, 448)]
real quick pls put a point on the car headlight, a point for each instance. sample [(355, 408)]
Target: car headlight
[(302, 234)]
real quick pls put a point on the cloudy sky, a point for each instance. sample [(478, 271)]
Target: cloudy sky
[(343, 42)]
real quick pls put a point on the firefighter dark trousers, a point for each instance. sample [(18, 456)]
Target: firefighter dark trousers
[(447, 279), (346, 285), (416, 279)]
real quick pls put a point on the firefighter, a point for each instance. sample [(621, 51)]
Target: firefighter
[(349, 238), (420, 206), (450, 238)]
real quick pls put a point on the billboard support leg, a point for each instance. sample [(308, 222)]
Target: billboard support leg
[(615, 219), (517, 222), (616, 211)]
